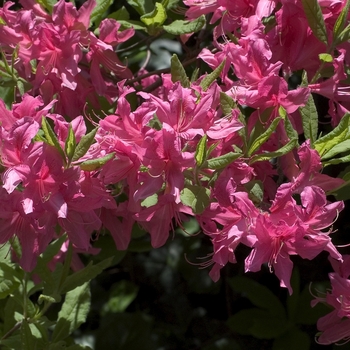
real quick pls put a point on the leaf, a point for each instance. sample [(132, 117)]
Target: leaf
[(179, 27), (99, 10), (74, 311), (48, 4), (84, 275), (196, 197), (261, 139), (337, 135), (121, 14), (122, 294), (178, 72), (340, 160), (61, 345), (141, 6), (258, 294), (344, 35), (137, 25), (221, 161), (339, 25), (149, 201), (280, 152), (341, 147), (51, 138), (9, 279), (255, 190), (210, 78), (70, 143), (154, 19), (84, 145), (94, 164), (27, 339), (325, 57), (309, 119), (258, 323), (200, 154), (227, 104), (315, 19)]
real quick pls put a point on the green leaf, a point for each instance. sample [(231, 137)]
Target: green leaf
[(221, 161), (340, 23), (74, 311), (227, 104), (200, 154), (325, 57), (27, 339), (154, 19), (84, 275), (210, 78), (141, 6), (315, 19), (262, 138), (51, 138), (137, 25), (258, 323), (94, 164), (149, 201), (84, 145), (9, 280), (341, 147), (178, 72), (99, 10), (344, 35), (255, 190), (48, 4), (334, 161), (121, 14), (337, 135), (280, 152), (122, 294), (258, 294), (70, 143), (309, 118), (61, 345), (293, 339), (196, 197), (179, 27)]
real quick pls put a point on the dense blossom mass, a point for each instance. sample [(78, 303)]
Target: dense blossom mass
[(237, 148)]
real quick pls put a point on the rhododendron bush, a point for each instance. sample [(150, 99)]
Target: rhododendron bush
[(233, 155)]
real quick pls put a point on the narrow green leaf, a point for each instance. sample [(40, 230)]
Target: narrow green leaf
[(141, 6), (9, 279), (84, 145), (200, 154), (137, 25), (255, 189), (84, 275), (340, 160), (221, 161), (340, 23), (179, 27), (27, 339), (341, 147), (70, 143), (196, 197), (210, 78), (261, 139), (280, 152), (155, 18), (73, 313), (315, 19), (344, 35), (290, 131), (258, 294), (51, 138), (227, 104), (94, 164), (178, 72), (99, 10), (337, 135), (309, 118)]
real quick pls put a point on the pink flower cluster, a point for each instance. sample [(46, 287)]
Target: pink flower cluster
[(179, 152)]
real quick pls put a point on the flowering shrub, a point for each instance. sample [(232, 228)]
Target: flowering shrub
[(94, 144)]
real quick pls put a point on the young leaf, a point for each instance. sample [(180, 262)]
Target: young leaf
[(309, 118), (141, 6), (196, 197), (73, 313), (51, 138), (200, 154), (154, 19), (84, 145), (341, 147), (227, 104), (85, 275), (325, 57), (210, 78), (340, 23), (178, 72), (94, 164), (337, 135), (315, 19), (221, 161), (99, 10), (179, 27), (258, 142), (70, 143)]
